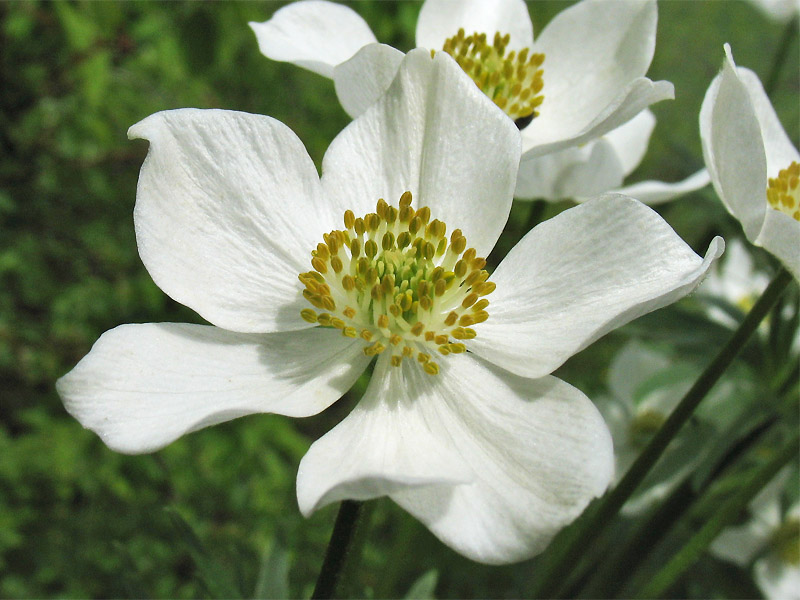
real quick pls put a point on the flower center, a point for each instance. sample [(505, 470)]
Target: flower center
[(783, 192), (644, 425), (392, 279), (786, 541), (513, 81)]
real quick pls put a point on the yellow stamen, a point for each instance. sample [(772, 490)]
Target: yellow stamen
[(783, 192), (390, 271), (512, 80)]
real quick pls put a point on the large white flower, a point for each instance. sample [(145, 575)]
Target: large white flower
[(753, 165), (461, 424), (582, 77), (771, 538), (601, 165)]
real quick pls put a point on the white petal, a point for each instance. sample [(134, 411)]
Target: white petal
[(778, 147), (779, 10), (587, 170), (579, 275), (733, 149), (630, 139), (652, 192), (364, 78), (436, 135), (593, 50), (313, 34), (560, 129), (738, 544), (385, 444), (540, 452), (441, 19), (527, 456), (780, 235), (778, 580), (143, 386), (734, 279), (584, 171), (617, 413), (227, 215)]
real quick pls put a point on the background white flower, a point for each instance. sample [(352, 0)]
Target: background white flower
[(735, 280), (492, 453), (600, 166), (771, 537), (644, 386), (779, 10), (595, 57), (745, 147)]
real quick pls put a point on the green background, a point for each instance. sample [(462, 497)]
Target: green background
[(215, 513)]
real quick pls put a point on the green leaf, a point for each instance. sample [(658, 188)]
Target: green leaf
[(131, 575), (424, 588), (217, 579), (273, 576)]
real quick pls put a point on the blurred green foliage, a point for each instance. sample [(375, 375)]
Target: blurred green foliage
[(215, 513)]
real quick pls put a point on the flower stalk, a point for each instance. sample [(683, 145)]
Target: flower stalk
[(339, 547), (687, 497), (724, 516), (607, 509)]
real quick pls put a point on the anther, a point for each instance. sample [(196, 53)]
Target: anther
[(402, 284), (513, 81)]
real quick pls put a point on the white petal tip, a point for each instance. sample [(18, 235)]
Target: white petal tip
[(666, 90), (728, 52), (716, 248)]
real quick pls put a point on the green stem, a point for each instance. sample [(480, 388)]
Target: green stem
[(562, 564), (535, 214), (612, 574), (726, 514), (338, 548), (781, 53)]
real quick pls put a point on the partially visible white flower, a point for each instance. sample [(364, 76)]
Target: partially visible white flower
[(735, 280), (778, 10), (771, 538), (581, 78), (600, 166), (461, 423), (753, 165), (644, 386)]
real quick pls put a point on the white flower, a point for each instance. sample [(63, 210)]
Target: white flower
[(753, 165), (735, 281), (644, 387), (461, 423), (778, 10), (600, 166), (772, 538), (581, 78)]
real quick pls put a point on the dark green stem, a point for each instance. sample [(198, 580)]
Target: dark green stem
[(726, 515), (609, 506), (338, 549), (535, 214), (612, 573)]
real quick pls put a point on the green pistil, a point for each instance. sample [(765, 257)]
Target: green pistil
[(644, 425), (786, 541)]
